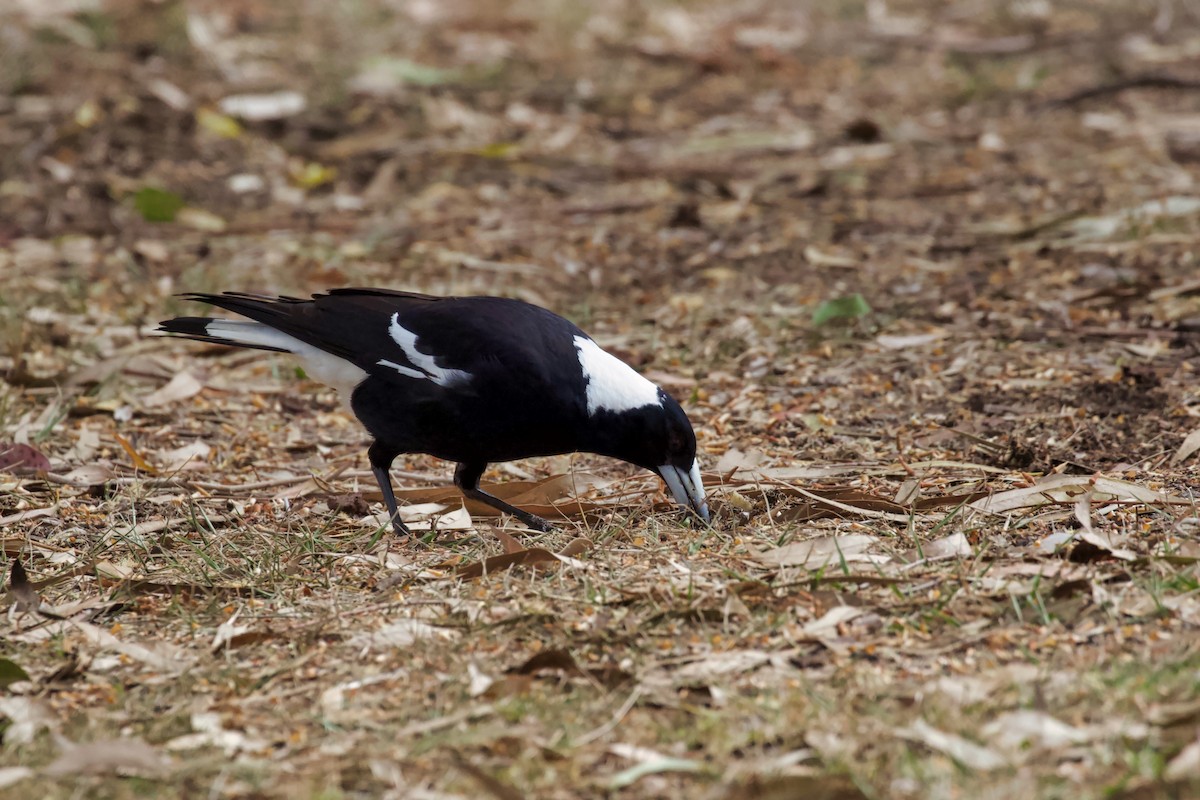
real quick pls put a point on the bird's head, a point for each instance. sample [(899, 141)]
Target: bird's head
[(658, 437)]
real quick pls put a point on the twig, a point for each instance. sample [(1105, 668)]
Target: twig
[(614, 207), (1143, 81), (609, 726), (855, 510), (900, 457), (438, 723)]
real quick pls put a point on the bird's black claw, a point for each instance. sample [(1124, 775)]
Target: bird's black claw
[(535, 522), (399, 528), (539, 524)]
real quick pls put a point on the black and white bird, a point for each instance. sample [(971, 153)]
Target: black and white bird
[(472, 380)]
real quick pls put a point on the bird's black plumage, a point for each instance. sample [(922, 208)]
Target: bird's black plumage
[(472, 380)]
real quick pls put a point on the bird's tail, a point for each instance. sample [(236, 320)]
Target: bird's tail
[(330, 364), (236, 333), (268, 329)]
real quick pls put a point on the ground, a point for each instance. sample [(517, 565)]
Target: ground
[(922, 274)]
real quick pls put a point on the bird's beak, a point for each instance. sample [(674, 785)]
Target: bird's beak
[(686, 487)]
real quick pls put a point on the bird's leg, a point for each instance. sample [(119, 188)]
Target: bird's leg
[(381, 457), (466, 478)]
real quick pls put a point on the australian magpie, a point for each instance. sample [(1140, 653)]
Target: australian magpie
[(472, 380)]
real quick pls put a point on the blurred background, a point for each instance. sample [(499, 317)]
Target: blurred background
[(910, 254)]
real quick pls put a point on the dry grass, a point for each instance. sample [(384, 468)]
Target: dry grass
[(884, 607)]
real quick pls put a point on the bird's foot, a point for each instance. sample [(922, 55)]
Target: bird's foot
[(399, 528), (535, 522)]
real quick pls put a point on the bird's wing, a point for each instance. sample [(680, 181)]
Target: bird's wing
[(506, 345), (340, 339), (350, 324), (433, 345)]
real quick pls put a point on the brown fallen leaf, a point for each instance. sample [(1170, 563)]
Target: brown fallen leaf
[(947, 501), (1102, 541), (786, 787), (480, 681), (108, 756), (191, 456), (87, 475), (402, 634), (533, 555), (79, 568), (10, 776), (714, 666), (155, 525), (953, 546), (104, 369), (208, 731), (831, 622), (74, 666), (735, 460), (833, 501), (424, 517), (487, 781), (425, 726), (554, 488), (352, 505), (32, 513), (561, 660), (22, 458), (827, 551), (962, 750), (1186, 764), (839, 502), (26, 717), (576, 547), (180, 387), (79, 608), (107, 570), (23, 595), (1171, 714), (1060, 489), (189, 590), (556, 659), (1190, 446), (1024, 732), (550, 498), (228, 632), (134, 455), (646, 762), (508, 541), (159, 656)]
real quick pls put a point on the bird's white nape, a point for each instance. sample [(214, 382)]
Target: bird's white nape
[(612, 385), (427, 366), (321, 366)]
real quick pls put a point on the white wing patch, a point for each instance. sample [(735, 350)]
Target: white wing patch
[(612, 385), (320, 365), (427, 366), (408, 372)]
